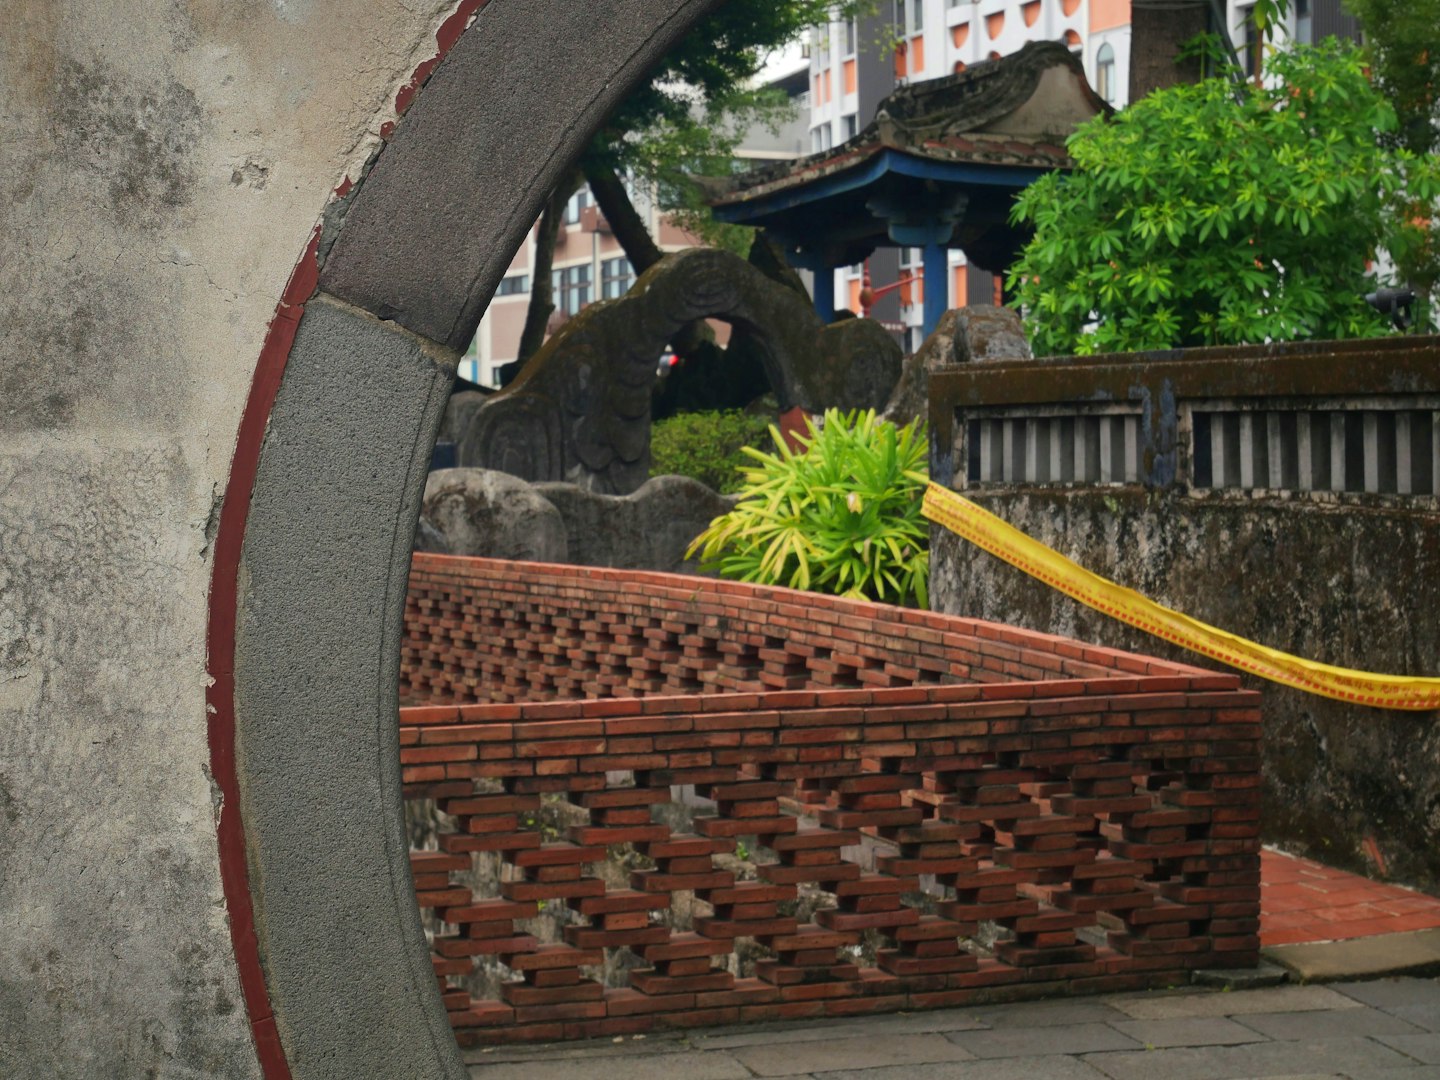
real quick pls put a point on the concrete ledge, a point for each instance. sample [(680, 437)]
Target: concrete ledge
[(1414, 953)]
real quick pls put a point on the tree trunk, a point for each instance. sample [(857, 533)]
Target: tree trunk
[(542, 291), (624, 220), (694, 342)]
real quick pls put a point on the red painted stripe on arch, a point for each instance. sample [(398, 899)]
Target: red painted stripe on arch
[(220, 657)]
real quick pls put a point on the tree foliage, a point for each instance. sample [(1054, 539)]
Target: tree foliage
[(1402, 39), (1218, 213)]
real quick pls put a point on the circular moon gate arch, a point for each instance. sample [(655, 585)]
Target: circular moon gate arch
[(313, 550)]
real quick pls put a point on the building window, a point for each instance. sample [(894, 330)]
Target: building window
[(616, 277), (914, 17), (1105, 73), (851, 124), (847, 38), (1253, 44), (514, 285), (1304, 24), (572, 288), (578, 202)]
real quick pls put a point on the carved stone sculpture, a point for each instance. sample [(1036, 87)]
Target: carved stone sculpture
[(580, 410), (965, 335)]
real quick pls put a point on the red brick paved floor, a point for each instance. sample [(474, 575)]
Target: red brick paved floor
[(1301, 900)]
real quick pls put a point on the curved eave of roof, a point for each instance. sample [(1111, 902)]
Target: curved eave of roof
[(973, 148)]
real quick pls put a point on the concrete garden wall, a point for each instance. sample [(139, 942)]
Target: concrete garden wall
[(1333, 556)]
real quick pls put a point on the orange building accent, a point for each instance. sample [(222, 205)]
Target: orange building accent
[(1104, 14), (855, 296), (996, 23), (960, 34), (1030, 12), (917, 55), (958, 282), (900, 61), (850, 77)]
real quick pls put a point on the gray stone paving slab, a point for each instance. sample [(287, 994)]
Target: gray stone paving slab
[(1414, 1072), (689, 1066), (1030, 1068), (1187, 1031), (1356, 1058), (892, 1024), (1329, 1024), (1389, 993), (668, 1042), (1030, 1042), (1045, 1014), (815, 1058), (1423, 1048), (1240, 1002), (1422, 1016)]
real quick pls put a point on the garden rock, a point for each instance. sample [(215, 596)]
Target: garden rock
[(479, 512)]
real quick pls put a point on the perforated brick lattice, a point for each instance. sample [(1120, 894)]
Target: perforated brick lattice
[(1028, 815)]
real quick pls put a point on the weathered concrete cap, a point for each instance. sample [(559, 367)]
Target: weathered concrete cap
[(1414, 953)]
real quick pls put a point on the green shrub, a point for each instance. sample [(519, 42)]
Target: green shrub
[(706, 446), (842, 516)]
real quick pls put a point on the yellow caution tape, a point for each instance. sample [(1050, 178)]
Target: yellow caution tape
[(985, 530)]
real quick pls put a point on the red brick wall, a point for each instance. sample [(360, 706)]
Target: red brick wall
[(489, 630), (1090, 814)]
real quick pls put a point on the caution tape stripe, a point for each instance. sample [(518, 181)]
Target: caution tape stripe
[(983, 529)]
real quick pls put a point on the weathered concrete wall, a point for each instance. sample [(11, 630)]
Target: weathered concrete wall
[(165, 164), (1345, 585)]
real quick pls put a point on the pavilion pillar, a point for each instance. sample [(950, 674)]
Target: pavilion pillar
[(936, 287), (824, 292), (929, 224)]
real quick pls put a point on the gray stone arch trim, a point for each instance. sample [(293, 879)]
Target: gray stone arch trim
[(324, 559)]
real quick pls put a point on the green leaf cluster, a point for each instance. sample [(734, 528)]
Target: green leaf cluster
[(706, 445), (1213, 214), (699, 101), (840, 516)]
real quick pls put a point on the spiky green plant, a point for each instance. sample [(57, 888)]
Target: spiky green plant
[(840, 516)]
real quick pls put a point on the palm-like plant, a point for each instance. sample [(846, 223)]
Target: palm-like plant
[(840, 516)]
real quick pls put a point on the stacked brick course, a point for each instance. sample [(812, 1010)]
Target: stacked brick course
[(1092, 815)]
